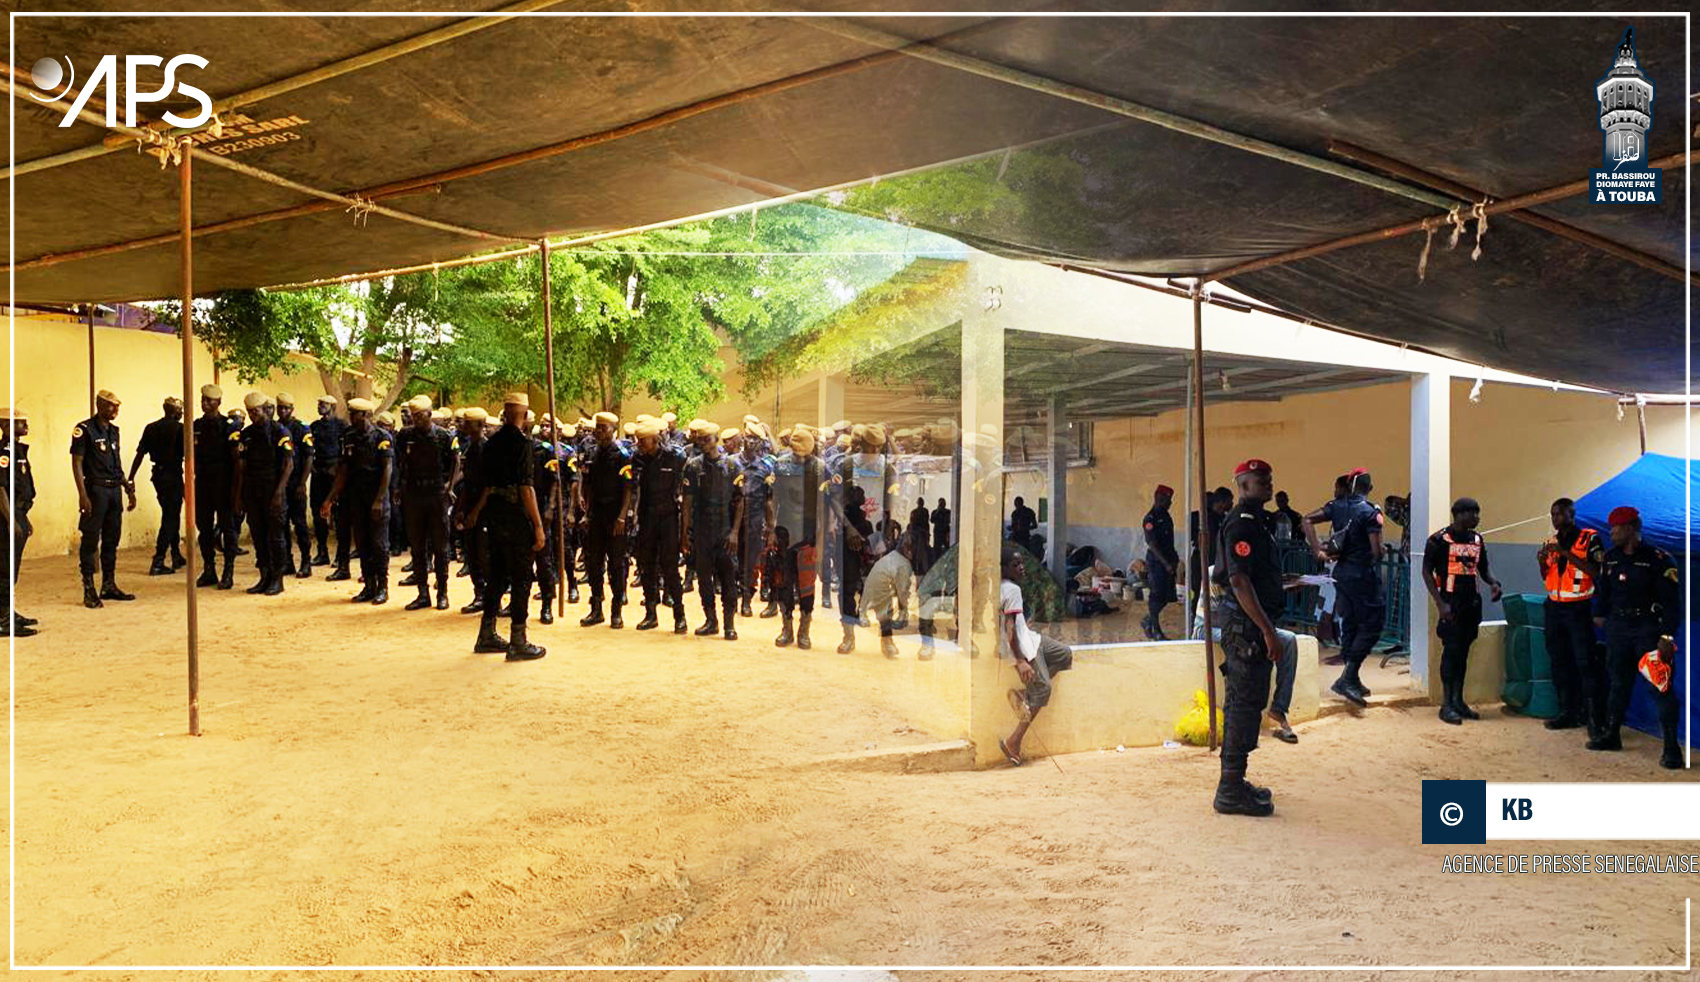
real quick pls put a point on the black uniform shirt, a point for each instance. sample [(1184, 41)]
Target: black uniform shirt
[(1247, 548), (162, 444), (659, 479), (15, 466), (97, 441), (711, 492), (265, 446), (549, 463), (328, 433), (505, 465), (365, 454), (302, 438), (606, 475), (1359, 518), (471, 463), (1642, 586), (425, 458), (1160, 534), (215, 443)]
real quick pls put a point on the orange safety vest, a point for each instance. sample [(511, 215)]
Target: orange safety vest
[(1462, 558), (1573, 583)]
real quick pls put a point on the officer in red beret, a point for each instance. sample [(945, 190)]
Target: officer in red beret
[(1639, 603), (1249, 575)]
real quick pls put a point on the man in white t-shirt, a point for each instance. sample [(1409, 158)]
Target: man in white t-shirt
[(1037, 658)]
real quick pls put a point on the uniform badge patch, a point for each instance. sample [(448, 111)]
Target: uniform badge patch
[(1242, 549)]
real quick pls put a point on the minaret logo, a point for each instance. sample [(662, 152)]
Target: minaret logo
[(1625, 97)]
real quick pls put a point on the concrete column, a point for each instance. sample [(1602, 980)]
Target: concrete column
[(980, 519), (1431, 507), (1058, 443), (829, 400)]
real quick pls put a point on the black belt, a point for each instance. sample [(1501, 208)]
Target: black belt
[(1635, 612), (104, 483), (508, 494)]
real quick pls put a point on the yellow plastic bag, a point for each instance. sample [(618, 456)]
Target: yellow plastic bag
[(1194, 726)]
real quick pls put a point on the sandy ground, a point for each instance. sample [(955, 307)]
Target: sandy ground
[(369, 792)]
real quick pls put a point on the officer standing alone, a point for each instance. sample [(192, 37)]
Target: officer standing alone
[(17, 497), (1454, 559), (1161, 561), (1249, 575), (364, 474), (1639, 603), (98, 470), (162, 444), (507, 505)]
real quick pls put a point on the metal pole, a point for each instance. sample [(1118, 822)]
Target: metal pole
[(561, 571), (1641, 419), (1204, 537), (1188, 467), (186, 221)]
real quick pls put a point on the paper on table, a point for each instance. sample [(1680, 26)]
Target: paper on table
[(1315, 579)]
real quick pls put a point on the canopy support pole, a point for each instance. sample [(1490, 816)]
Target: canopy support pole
[(88, 317), (186, 319), (1203, 500), (562, 573), (1641, 420)]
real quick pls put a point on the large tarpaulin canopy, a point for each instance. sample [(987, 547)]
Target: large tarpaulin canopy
[(1501, 105)]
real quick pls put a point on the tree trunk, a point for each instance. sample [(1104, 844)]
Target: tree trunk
[(402, 371)]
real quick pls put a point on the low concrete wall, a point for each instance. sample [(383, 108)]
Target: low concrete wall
[(1485, 677), (1132, 694)]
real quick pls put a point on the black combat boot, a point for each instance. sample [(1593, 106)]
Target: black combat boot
[(91, 599), (407, 569), (477, 604), (177, 560), (260, 587), (744, 610), (728, 612), (1610, 736), (785, 636), (274, 585), (593, 618), (109, 590), (489, 642), (772, 608), (158, 567), (690, 580), (412, 579), (1458, 704), (1237, 796), (364, 596), (519, 649), (1345, 689), (546, 615), (1671, 759), (679, 625), (207, 577), (442, 593), (1448, 704), (288, 563), (304, 571), (227, 579), (572, 590), (710, 625), (381, 594), (649, 621), (615, 622), (803, 630), (340, 573), (422, 601), (849, 643)]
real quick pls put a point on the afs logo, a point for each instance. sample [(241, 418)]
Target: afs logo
[(1625, 98), (47, 74)]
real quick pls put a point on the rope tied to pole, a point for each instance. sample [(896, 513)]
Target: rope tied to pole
[(361, 207), (1457, 220), (1428, 244), (1479, 212)]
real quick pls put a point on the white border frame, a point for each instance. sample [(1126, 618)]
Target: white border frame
[(1688, 129)]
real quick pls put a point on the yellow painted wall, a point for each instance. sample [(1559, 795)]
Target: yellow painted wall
[(1514, 450)]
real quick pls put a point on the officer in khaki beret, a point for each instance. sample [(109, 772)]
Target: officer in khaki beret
[(469, 475), (325, 436), (215, 488), (507, 505), (98, 470), (263, 468), (605, 499), (365, 474), (296, 512)]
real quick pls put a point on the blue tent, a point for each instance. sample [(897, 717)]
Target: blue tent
[(1661, 488)]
